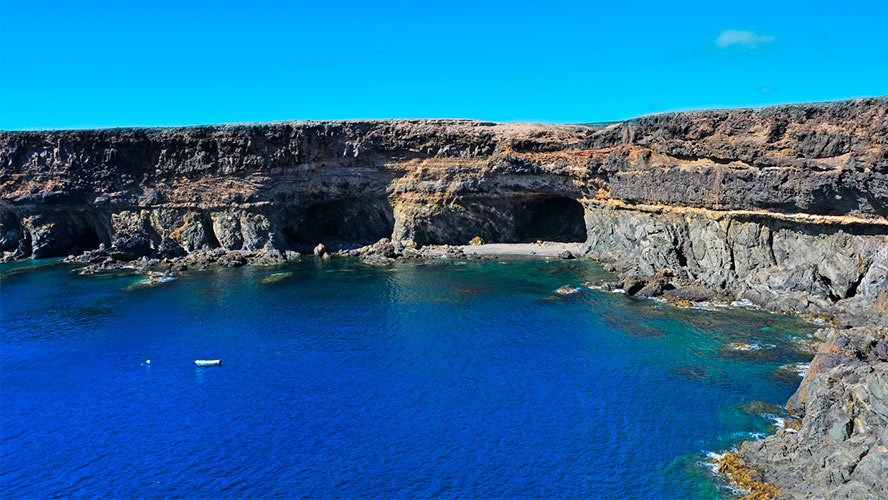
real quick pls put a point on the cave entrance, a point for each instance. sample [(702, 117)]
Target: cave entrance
[(342, 224), (87, 238), (64, 234), (550, 219)]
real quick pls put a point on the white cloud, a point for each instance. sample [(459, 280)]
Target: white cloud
[(741, 38)]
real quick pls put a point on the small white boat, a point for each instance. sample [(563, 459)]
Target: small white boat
[(208, 362)]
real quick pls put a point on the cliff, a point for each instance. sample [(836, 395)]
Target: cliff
[(786, 207)]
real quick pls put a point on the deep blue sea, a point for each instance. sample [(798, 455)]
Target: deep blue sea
[(342, 380)]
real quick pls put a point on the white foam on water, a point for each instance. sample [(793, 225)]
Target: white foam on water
[(704, 306), (712, 306), (800, 368), (747, 435), (780, 423), (157, 278), (712, 465), (602, 289), (746, 304), (754, 346), (714, 459)]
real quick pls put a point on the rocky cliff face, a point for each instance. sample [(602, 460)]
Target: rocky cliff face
[(786, 206), (841, 448)]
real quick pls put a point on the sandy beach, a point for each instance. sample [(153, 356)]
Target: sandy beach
[(545, 249)]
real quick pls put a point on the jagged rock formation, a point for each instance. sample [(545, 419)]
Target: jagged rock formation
[(831, 268), (841, 449), (786, 206)]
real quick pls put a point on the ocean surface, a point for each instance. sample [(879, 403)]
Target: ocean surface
[(342, 380)]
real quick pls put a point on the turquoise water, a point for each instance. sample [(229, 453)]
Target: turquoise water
[(341, 380)]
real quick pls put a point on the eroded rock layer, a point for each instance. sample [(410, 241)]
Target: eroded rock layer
[(786, 207)]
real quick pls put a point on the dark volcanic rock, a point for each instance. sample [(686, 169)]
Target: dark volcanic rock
[(655, 288), (10, 232), (170, 249), (690, 292), (634, 284), (350, 183), (841, 448), (131, 246)]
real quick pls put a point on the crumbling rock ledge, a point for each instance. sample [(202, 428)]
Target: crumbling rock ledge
[(785, 207)]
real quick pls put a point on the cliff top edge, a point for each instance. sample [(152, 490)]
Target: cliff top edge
[(459, 122)]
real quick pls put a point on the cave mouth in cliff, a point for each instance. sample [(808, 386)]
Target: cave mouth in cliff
[(87, 238), (342, 224), (550, 219), (72, 238)]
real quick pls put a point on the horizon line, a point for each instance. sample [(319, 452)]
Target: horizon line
[(198, 125)]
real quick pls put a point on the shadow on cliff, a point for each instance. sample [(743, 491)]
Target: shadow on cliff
[(339, 224), (550, 219)]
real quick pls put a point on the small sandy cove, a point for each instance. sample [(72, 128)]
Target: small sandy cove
[(546, 249)]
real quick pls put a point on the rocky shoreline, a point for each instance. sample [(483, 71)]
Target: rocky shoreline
[(840, 449), (835, 445), (783, 207), (382, 252)]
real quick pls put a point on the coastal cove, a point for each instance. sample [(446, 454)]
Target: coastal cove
[(364, 272), (427, 378)]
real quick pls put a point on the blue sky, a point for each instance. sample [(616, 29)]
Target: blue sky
[(88, 63)]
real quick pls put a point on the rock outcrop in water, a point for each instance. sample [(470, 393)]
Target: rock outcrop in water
[(786, 207), (841, 449)]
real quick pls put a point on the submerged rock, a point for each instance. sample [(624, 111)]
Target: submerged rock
[(568, 290), (153, 279), (275, 278)]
